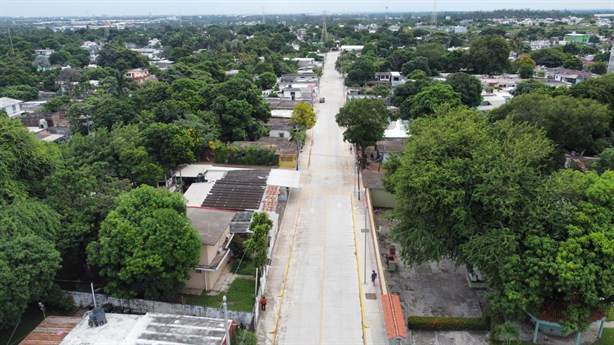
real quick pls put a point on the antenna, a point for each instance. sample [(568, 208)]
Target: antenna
[(11, 40), (324, 37), (434, 15), (386, 16)]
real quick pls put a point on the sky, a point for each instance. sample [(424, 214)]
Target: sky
[(33, 8)]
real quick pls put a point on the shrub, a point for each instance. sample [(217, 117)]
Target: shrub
[(438, 323), (227, 154)]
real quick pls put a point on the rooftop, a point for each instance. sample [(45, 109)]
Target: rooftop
[(5, 101), (52, 330), (149, 329), (209, 223), (238, 190)]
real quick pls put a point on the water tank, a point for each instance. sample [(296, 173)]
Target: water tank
[(97, 317)]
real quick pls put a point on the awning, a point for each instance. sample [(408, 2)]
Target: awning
[(284, 178), (393, 315)]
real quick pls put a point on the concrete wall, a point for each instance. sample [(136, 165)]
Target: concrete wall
[(381, 198), (84, 300)]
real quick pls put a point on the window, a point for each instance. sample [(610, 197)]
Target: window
[(14, 108), (281, 134)]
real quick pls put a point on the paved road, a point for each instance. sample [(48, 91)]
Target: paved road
[(315, 288)]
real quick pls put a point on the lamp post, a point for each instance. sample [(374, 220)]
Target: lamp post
[(296, 131)]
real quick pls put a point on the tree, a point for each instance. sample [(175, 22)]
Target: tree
[(28, 258), (258, 244), (431, 98), (605, 161), (573, 63), (434, 53), (489, 55), (600, 89), (417, 63), (365, 121), (573, 124), (469, 88), (532, 86), (549, 57), (360, 72), (455, 182), (120, 58), (526, 66), (303, 115), (24, 161), (170, 145), (20, 92), (599, 68), (266, 80), (146, 245)]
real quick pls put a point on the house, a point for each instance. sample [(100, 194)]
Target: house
[(279, 128), (576, 38), (297, 93), (352, 48), (11, 106), (397, 129), (151, 328), (493, 100), (43, 52), (213, 227), (568, 75), (140, 75), (392, 78)]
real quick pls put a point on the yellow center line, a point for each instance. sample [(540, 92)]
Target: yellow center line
[(362, 301), (323, 267), (283, 283)]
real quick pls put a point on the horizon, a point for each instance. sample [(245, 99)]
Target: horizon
[(143, 8)]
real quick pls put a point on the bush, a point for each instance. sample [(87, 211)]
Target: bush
[(252, 155), (437, 323), (55, 298), (243, 337)]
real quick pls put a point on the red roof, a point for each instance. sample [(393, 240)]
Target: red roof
[(393, 315)]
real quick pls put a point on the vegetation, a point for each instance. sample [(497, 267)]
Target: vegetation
[(240, 296), (303, 115), (146, 245), (481, 194), (257, 246), (439, 324), (365, 121)]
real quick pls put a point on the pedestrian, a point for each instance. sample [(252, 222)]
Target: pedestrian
[(373, 277), (263, 303), (350, 148)]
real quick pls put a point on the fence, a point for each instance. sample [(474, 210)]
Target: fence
[(140, 306)]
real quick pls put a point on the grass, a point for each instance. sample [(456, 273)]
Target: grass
[(607, 338), (243, 267), (240, 296), (610, 315)]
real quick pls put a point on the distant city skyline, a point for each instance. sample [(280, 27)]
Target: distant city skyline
[(35, 8)]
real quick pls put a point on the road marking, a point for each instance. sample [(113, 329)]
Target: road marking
[(283, 283), (323, 267), (362, 301)]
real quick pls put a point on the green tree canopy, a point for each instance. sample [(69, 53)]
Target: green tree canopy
[(170, 145), (600, 89), (489, 55), (365, 121), (431, 98), (417, 63), (573, 124), (469, 88), (120, 58), (146, 245), (361, 71)]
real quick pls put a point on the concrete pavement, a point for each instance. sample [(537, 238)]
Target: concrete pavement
[(316, 283)]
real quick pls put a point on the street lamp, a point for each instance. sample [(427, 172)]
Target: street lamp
[(296, 131)]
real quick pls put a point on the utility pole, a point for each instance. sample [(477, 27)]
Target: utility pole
[(298, 149), (324, 36), (226, 325)]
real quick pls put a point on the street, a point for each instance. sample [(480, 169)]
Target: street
[(316, 275)]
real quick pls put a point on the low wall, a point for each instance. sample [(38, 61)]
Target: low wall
[(140, 306)]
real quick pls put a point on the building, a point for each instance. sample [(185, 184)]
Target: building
[(286, 150), (392, 78), (43, 52), (140, 75), (151, 328), (568, 75), (493, 100), (11, 106), (213, 227), (279, 128), (352, 48), (576, 38)]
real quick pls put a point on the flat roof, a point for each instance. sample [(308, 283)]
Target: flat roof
[(284, 178), (197, 192), (5, 101), (152, 328), (209, 223)]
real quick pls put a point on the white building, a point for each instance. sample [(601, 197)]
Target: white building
[(11, 106)]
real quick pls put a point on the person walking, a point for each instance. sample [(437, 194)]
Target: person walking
[(263, 303), (373, 277)]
